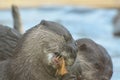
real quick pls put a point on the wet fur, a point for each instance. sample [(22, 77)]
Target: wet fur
[(92, 62), (31, 61), (9, 37), (116, 24), (8, 41), (17, 19)]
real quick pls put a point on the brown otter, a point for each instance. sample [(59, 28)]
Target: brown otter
[(8, 41), (17, 19), (92, 62), (9, 37), (116, 24), (35, 52)]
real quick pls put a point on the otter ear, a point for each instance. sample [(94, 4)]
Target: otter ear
[(43, 22), (83, 47)]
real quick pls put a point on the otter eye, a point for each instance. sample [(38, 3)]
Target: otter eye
[(97, 66), (57, 54)]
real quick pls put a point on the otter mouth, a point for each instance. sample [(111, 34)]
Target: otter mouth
[(54, 59), (60, 62), (57, 62)]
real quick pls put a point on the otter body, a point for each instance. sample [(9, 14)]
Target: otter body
[(9, 37), (8, 41), (34, 53), (92, 62), (116, 24), (17, 19)]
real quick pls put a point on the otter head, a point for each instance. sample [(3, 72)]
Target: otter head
[(39, 46), (67, 49), (94, 60)]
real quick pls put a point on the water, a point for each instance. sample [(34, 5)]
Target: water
[(81, 22)]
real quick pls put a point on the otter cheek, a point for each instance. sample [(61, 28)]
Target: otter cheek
[(50, 58)]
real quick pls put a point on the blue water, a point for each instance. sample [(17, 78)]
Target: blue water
[(81, 22)]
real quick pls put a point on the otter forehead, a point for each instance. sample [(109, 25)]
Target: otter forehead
[(52, 33), (57, 28), (62, 31)]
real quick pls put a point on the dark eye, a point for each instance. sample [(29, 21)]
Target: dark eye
[(57, 54), (97, 66)]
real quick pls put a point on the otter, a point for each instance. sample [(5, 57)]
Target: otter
[(9, 37), (8, 41), (93, 62), (116, 24), (35, 52), (17, 19)]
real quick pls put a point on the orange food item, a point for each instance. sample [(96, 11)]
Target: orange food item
[(62, 68)]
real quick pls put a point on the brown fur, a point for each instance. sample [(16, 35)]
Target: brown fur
[(31, 60), (9, 37), (17, 19), (8, 41), (116, 24), (92, 62)]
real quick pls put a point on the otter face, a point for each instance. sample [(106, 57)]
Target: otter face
[(95, 62), (67, 50), (37, 50), (55, 49), (68, 53)]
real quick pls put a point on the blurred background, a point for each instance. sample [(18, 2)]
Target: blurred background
[(98, 20)]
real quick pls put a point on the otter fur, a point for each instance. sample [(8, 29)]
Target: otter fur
[(8, 41), (34, 53), (116, 24), (10, 36), (92, 62), (17, 19)]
